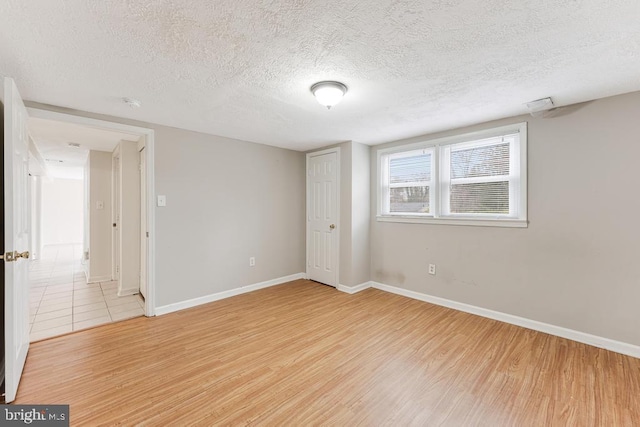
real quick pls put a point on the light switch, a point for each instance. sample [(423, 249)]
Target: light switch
[(99, 204), (162, 200)]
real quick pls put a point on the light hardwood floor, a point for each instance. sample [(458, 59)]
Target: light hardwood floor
[(306, 354)]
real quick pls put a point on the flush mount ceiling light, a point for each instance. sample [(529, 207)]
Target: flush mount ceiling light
[(329, 93), (133, 103), (539, 106)]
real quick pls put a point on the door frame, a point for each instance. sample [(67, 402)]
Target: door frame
[(116, 200), (149, 139), (308, 213), (142, 159)]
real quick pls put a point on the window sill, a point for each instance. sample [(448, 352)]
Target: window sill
[(509, 223)]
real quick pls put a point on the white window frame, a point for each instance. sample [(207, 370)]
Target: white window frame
[(388, 186), (438, 186)]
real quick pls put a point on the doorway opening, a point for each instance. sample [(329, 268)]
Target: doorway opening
[(94, 275)]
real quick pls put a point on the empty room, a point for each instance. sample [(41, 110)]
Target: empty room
[(322, 213)]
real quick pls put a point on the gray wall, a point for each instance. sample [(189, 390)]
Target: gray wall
[(577, 265), (344, 275), (360, 214), (227, 200)]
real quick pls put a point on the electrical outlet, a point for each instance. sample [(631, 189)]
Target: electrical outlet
[(252, 261), (432, 269)]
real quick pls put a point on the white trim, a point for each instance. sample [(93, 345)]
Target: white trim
[(150, 298), (438, 214), (456, 139), (323, 152), (582, 337), (523, 154), (149, 136), (498, 222), (116, 195), (86, 121), (356, 288), (170, 308), (35, 153), (127, 292), (96, 279), (336, 280)]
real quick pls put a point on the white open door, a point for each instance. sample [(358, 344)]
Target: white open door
[(16, 237), (322, 216)]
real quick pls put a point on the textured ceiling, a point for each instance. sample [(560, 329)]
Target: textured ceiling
[(62, 161), (243, 68)]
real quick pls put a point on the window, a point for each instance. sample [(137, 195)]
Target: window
[(410, 181), (474, 179)]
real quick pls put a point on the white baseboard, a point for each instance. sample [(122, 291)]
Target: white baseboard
[(96, 279), (594, 340), (127, 292), (356, 288), (170, 308)]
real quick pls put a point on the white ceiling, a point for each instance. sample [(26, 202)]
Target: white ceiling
[(52, 139), (243, 68)]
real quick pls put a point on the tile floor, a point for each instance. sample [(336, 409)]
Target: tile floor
[(61, 301)]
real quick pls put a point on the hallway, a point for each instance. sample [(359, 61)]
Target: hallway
[(61, 301)]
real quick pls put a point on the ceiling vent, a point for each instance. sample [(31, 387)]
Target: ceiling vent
[(538, 107)]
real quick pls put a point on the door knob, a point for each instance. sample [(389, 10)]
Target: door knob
[(13, 256), (8, 256), (332, 226)]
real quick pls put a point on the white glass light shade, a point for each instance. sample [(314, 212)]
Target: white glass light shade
[(328, 93)]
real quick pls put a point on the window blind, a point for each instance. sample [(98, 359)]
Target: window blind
[(480, 178), (410, 181)]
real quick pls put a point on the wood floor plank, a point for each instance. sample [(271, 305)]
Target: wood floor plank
[(305, 354)]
